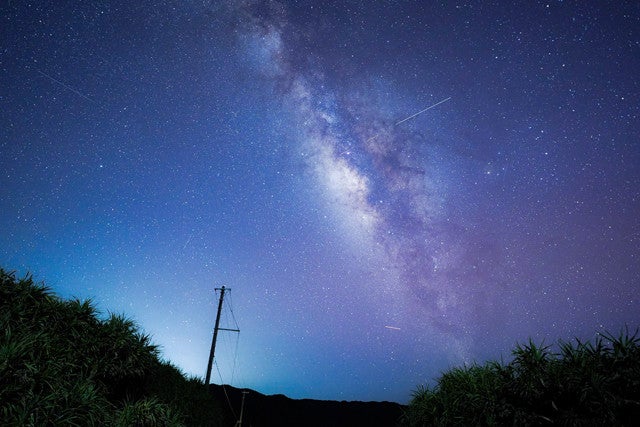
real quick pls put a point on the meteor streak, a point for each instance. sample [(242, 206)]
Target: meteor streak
[(66, 86), (422, 111), (393, 327), (412, 116)]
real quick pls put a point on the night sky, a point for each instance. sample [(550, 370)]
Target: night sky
[(153, 151)]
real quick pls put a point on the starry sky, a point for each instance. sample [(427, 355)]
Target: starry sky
[(153, 151)]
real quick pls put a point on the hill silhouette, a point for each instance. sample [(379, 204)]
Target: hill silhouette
[(280, 411)]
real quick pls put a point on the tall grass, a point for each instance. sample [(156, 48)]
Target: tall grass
[(60, 364), (582, 383)]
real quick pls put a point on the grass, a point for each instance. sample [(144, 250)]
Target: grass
[(583, 383), (61, 364)]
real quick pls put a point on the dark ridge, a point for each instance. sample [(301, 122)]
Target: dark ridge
[(280, 411)]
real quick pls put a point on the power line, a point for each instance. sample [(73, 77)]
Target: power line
[(235, 358), (224, 388)]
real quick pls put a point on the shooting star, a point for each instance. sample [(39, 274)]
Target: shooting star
[(395, 328), (188, 240), (422, 111), (412, 116), (66, 86)]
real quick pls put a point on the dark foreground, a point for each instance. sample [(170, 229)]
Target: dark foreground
[(280, 411)]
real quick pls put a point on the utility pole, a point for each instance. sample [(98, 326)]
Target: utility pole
[(215, 334), (239, 423)]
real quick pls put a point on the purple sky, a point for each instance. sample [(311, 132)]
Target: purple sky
[(153, 152)]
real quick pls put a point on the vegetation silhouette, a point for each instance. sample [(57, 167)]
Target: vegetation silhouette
[(581, 383), (61, 364)]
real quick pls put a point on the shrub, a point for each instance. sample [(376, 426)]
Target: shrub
[(581, 384), (60, 364)]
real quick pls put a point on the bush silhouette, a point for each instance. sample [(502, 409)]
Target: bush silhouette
[(582, 384), (60, 364)]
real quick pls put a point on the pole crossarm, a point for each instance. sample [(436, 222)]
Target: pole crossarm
[(215, 334)]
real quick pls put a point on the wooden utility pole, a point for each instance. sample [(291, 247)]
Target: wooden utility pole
[(215, 334), (239, 422)]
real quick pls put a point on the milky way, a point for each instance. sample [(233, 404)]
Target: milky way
[(389, 189)]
